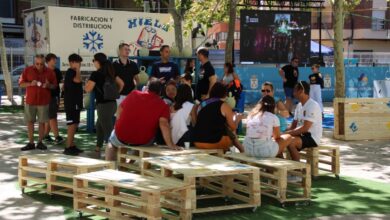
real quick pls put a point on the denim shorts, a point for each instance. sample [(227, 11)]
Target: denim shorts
[(260, 148), (289, 92), (116, 142)]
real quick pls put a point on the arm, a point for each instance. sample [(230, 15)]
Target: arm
[(194, 115), (276, 133), (89, 86), (77, 77), (292, 126), (229, 114), (120, 83), (136, 81), (118, 112), (235, 76), (213, 80), (300, 130), (282, 110), (282, 74), (166, 132), (23, 83)]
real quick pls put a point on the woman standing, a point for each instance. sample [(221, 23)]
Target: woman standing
[(231, 80), (263, 137), (106, 107), (316, 84)]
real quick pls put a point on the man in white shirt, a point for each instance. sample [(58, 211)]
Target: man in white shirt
[(306, 129)]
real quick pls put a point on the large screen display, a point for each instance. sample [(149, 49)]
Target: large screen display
[(274, 36)]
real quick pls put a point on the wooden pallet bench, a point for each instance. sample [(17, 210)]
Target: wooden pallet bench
[(129, 158), (274, 174), (325, 158), (56, 171), (121, 195), (223, 178)]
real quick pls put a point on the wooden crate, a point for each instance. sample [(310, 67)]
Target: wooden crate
[(224, 178), (273, 176), (325, 158), (120, 195), (55, 171), (361, 118), (129, 158), (32, 171)]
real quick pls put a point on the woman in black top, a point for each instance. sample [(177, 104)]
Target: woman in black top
[(105, 108), (215, 124)]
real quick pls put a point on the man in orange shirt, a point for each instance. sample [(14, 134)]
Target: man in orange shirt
[(38, 81)]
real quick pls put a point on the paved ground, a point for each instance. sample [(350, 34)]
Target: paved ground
[(362, 159)]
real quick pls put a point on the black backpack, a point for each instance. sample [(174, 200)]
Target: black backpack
[(110, 89), (235, 87)]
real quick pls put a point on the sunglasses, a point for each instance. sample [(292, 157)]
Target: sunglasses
[(266, 90)]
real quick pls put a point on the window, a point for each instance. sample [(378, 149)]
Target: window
[(236, 35), (6, 10), (221, 36), (378, 22)]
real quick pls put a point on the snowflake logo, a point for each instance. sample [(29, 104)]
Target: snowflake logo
[(93, 41)]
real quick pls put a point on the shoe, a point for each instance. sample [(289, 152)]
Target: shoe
[(48, 139), (70, 151), (41, 146), (78, 150), (29, 146), (59, 140)]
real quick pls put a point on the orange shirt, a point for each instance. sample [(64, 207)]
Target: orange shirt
[(36, 95)]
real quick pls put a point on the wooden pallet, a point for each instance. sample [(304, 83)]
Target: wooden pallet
[(129, 158), (273, 176), (224, 178), (120, 195), (56, 171), (325, 158), (361, 118)]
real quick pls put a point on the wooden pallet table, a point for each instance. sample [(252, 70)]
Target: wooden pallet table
[(32, 171), (61, 170), (274, 174), (121, 195), (129, 158), (225, 178), (325, 158)]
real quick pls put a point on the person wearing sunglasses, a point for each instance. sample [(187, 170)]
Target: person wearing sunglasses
[(306, 129), (316, 84), (280, 109), (38, 81), (290, 74)]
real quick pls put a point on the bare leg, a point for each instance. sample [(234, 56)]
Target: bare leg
[(111, 152), (47, 128), (30, 128), (283, 142), (70, 135), (41, 130), (53, 127), (293, 148)]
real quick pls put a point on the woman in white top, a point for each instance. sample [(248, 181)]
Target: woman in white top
[(263, 137), (181, 116), (228, 74)]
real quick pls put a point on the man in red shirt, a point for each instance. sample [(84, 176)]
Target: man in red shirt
[(38, 81), (138, 118)]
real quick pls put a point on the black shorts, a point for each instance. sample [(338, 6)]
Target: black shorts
[(72, 115), (53, 108), (307, 141)]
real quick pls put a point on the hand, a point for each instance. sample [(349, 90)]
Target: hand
[(284, 79), (33, 83), (174, 147), (46, 84), (239, 116), (162, 80)]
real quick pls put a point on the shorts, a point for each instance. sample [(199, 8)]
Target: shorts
[(120, 100), (53, 108), (260, 148), (31, 112), (113, 139), (289, 92), (72, 115), (307, 141)]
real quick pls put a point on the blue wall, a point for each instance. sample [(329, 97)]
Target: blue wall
[(359, 80)]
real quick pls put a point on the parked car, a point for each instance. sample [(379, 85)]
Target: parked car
[(15, 73)]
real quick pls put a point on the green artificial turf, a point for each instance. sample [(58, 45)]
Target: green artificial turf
[(11, 109), (329, 197)]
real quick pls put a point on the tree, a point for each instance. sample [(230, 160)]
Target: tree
[(230, 36), (178, 9), (4, 65)]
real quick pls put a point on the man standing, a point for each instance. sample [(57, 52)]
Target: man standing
[(306, 129), (38, 81), (207, 77), (290, 74), (138, 119), (165, 70), (51, 60), (127, 70), (73, 100)]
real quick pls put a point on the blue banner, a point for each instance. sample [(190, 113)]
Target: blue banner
[(358, 80)]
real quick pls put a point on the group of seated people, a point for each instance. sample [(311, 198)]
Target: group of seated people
[(144, 118)]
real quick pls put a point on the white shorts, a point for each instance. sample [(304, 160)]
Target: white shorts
[(260, 148)]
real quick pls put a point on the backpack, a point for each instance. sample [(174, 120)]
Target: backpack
[(235, 87), (110, 89)]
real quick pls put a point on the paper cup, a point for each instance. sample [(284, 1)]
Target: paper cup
[(187, 145)]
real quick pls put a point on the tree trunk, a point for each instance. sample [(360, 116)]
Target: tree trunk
[(230, 36), (178, 24), (338, 14), (4, 65)]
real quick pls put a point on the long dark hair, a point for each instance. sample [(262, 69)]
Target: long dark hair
[(105, 65), (188, 68), (266, 104), (184, 94), (230, 68), (218, 91)]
